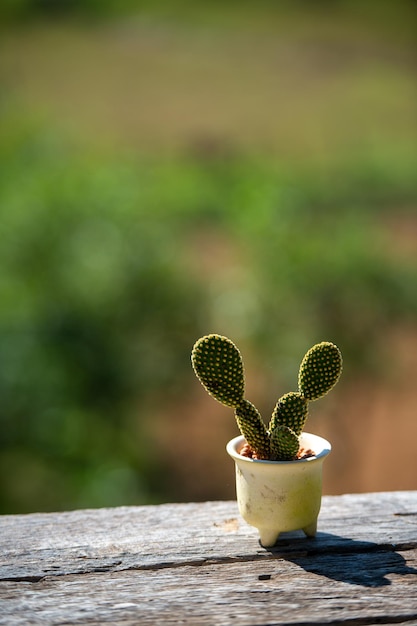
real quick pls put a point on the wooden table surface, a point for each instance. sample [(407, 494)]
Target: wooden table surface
[(201, 564)]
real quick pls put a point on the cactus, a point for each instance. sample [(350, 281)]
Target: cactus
[(284, 444), (218, 365), (320, 370), (290, 410), (253, 429)]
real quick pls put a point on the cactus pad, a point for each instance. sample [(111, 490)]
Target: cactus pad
[(290, 410), (218, 365), (320, 370), (253, 428), (284, 444)]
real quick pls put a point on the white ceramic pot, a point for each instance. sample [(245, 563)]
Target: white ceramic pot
[(278, 496)]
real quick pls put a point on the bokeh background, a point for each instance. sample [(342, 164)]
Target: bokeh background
[(169, 169)]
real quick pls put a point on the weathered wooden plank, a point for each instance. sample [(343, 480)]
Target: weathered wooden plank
[(33, 546), (379, 587), (201, 564)]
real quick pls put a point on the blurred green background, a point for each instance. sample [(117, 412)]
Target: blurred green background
[(169, 169)]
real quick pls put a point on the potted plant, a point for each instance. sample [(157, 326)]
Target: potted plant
[(279, 467)]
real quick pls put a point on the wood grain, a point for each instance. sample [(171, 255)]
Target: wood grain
[(201, 564)]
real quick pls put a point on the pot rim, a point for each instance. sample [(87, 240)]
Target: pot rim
[(324, 447)]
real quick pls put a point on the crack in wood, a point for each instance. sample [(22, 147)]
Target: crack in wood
[(369, 620), (272, 554), (23, 579), (406, 514)]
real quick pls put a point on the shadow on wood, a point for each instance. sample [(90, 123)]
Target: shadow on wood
[(353, 562)]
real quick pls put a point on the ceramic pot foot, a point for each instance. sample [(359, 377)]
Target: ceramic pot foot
[(311, 529), (268, 537)]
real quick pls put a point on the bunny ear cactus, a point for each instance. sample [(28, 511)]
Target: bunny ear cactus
[(291, 411), (253, 428), (320, 370), (218, 365)]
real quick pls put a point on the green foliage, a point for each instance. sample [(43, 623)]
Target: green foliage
[(386, 15), (97, 311), (218, 365), (29, 10), (103, 284)]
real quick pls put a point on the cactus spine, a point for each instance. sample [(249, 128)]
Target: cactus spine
[(218, 365)]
